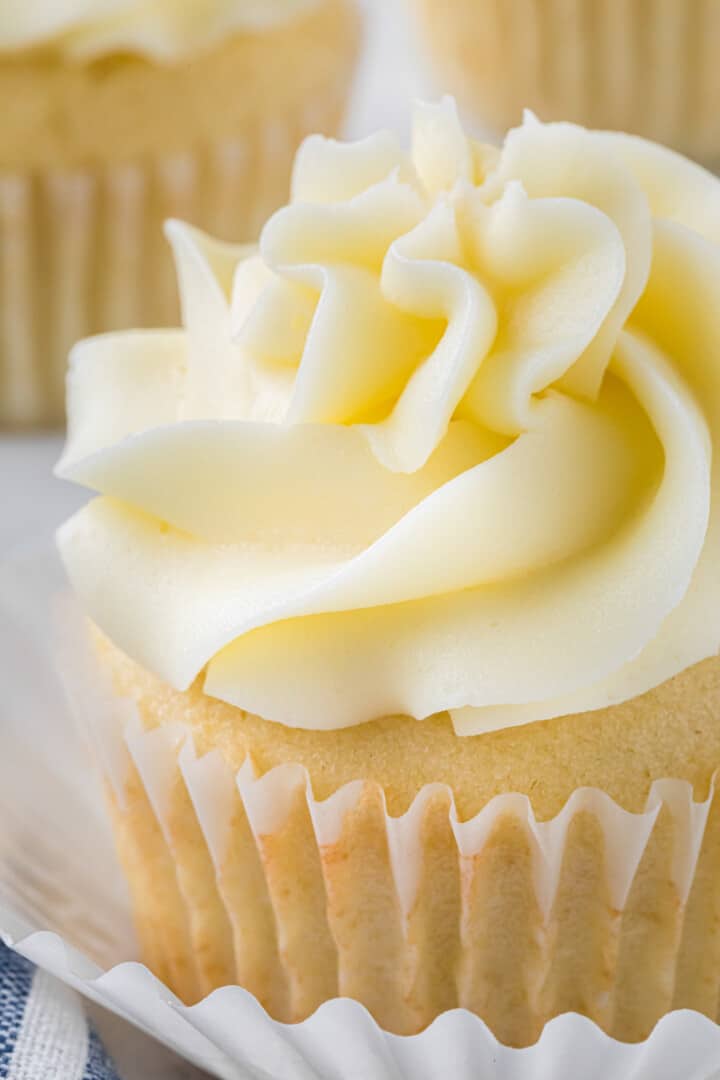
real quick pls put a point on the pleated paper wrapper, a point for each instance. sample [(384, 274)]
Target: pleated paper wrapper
[(63, 902), (82, 251), (644, 66)]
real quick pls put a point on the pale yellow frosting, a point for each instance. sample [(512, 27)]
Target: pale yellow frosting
[(163, 29), (445, 442)]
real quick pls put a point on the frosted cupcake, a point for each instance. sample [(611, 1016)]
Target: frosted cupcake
[(120, 113), (644, 67), (404, 570)]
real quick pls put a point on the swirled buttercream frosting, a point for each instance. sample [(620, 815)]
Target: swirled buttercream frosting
[(163, 29), (443, 441)]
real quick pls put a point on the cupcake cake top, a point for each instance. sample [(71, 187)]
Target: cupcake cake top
[(443, 442), (161, 29)]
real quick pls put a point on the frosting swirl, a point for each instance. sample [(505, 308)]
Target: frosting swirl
[(163, 29), (443, 443)]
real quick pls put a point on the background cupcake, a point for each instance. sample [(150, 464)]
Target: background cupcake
[(404, 559), (645, 67), (118, 114)]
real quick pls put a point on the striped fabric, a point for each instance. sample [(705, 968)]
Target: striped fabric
[(44, 1033)]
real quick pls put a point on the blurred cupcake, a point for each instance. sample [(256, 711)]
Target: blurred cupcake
[(119, 113), (405, 569), (644, 67)]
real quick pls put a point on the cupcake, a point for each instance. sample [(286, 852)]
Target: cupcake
[(649, 68), (120, 113), (402, 586)]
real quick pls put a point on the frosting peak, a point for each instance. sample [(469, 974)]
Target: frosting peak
[(443, 442)]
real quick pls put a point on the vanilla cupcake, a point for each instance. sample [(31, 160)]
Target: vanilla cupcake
[(404, 570), (645, 67), (119, 113)]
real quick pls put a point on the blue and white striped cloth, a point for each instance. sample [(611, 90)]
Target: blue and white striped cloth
[(44, 1032)]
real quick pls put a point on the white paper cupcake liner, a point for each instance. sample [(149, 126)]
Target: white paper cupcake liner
[(83, 251), (63, 903), (644, 66)]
